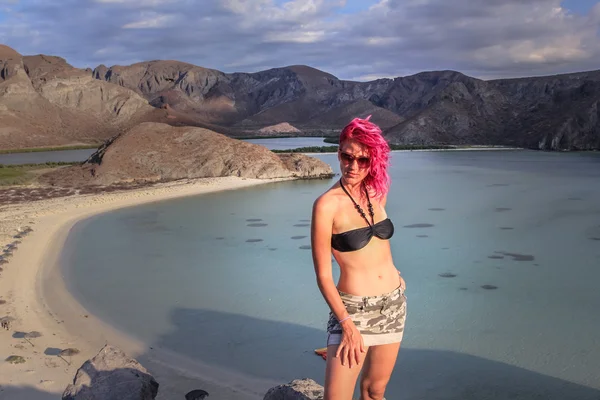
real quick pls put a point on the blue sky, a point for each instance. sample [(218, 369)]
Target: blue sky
[(352, 39), (353, 6), (579, 6)]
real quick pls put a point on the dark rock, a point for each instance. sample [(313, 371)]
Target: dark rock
[(5, 322), (447, 275), (517, 256), (197, 394), (298, 389), (15, 360), (489, 287), (418, 226), (112, 375)]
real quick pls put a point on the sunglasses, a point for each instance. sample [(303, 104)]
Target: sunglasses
[(363, 162)]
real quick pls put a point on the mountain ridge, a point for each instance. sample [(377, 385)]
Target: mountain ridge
[(549, 112)]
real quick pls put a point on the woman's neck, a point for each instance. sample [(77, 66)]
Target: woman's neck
[(356, 190)]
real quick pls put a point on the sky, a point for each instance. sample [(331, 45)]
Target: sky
[(357, 40)]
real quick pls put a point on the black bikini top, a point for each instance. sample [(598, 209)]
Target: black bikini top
[(356, 239)]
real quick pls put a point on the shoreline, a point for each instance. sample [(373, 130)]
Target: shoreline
[(36, 295), (457, 149)]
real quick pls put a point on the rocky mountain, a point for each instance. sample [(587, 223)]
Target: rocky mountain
[(153, 152), (44, 100), (438, 107), (298, 95), (554, 112)]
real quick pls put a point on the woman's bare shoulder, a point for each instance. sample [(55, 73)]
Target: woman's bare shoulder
[(328, 201), (328, 198)]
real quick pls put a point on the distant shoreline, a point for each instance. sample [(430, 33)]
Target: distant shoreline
[(49, 149), (456, 149), (326, 144)]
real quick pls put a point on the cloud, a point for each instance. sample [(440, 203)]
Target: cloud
[(482, 38), (149, 20), (136, 3), (295, 37)]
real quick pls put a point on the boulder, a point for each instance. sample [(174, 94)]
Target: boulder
[(298, 389), (111, 375)]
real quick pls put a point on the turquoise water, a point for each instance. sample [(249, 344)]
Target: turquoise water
[(500, 251)]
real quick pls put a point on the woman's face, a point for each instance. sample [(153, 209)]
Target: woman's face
[(354, 161)]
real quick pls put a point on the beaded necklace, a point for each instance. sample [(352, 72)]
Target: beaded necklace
[(358, 207)]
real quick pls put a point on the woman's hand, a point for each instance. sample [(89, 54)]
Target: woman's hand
[(402, 282), (352, 347)]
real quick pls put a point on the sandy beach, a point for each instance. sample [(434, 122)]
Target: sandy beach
[(34, 294)]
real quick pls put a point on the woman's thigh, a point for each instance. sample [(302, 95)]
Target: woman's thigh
[(379, 365), (340, 380)]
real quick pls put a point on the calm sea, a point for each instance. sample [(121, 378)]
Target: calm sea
[(500, 251)]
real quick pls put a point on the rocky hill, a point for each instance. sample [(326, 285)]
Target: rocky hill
[(44, 100), (279, 129), (153, 152)]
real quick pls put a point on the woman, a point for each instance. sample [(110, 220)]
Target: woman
[(368, 306)]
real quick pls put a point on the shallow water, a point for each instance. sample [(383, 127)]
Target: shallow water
[(40, 157), (500, 251)]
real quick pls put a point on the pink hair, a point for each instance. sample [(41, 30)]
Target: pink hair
[(369, 135)]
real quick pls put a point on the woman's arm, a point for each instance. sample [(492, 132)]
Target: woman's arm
[(352, 345), (321, 229)]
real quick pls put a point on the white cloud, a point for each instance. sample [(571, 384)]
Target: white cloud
[(149, 20), (137, 3), (370, 77), (295, 37), (381, 40)]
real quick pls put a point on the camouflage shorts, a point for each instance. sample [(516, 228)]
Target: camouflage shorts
[(379, 319)]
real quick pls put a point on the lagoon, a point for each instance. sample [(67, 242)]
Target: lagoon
[(500, 251)]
